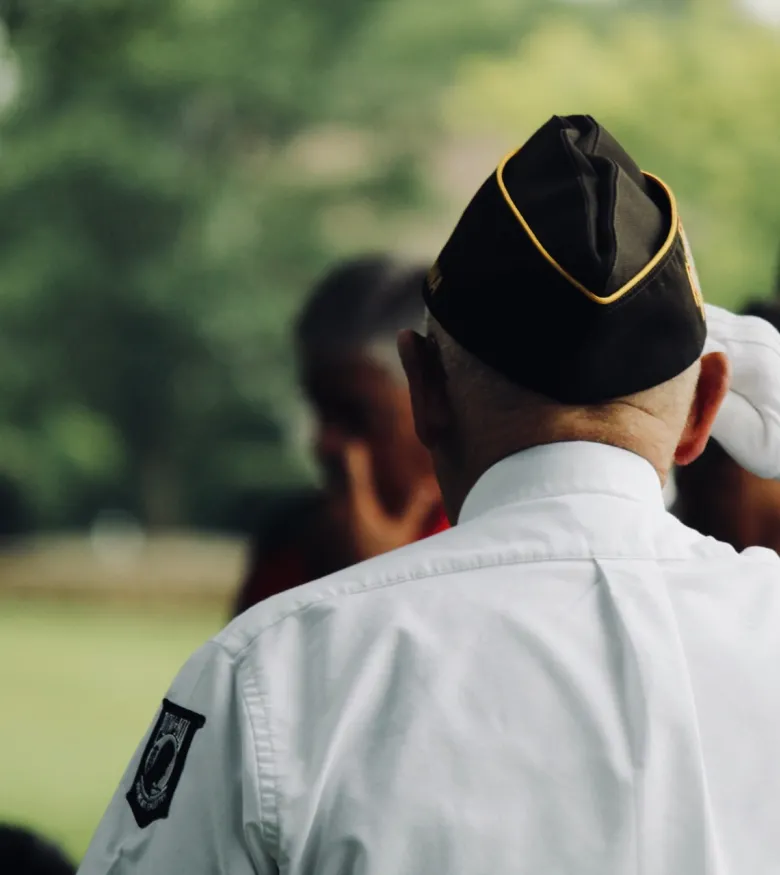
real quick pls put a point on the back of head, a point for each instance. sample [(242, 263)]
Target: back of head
[(488, 404), (566, 304), (22, 852)]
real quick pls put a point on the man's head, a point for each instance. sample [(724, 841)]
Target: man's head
[(718, 497), (470, 417), (352, 375), (565, 306)]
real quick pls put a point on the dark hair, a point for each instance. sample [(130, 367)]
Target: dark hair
[(22, 852), (359, 301)]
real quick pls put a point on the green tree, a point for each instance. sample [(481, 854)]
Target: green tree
[(174, 172)]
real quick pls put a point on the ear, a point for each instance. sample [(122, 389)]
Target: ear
[(711, 389), (421, 358)]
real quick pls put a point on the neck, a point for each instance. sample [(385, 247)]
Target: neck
[(648, 438)]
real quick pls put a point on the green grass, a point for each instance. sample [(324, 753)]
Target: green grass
[(79, 684)]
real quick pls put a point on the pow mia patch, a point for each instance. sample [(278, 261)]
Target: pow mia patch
[(162, 763)]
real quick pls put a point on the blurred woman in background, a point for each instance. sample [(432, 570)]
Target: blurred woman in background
[(379, 491)]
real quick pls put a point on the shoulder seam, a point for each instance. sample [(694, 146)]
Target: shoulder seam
[(364, 586)]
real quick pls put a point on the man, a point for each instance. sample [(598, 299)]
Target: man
[(569, 680), (379, 488), (718, 497)]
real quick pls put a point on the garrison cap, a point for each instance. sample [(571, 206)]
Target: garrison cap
[(569, 272)]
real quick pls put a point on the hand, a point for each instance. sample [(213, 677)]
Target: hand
[(748, 423), (372, 530)]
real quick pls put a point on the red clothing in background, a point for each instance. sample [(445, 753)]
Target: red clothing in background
[(283, 558)]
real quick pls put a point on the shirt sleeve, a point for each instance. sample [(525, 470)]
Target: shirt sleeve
[(748, 423), (190, 799)]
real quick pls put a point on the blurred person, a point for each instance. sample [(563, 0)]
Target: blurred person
[(567, 681), (24, 852), (718, 497), (379, 489)]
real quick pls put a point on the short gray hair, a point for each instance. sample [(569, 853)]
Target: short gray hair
[(473, 377), (480, 387)]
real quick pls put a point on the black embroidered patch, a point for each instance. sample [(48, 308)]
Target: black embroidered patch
[(162, 763)]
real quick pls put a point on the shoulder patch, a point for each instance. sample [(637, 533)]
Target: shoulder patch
[(162, 763)]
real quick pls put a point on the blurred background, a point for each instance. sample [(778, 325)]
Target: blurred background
[(174, 175)]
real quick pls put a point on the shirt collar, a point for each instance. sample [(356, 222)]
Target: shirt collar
[(563, 469)]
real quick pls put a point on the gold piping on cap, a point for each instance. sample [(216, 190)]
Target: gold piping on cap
[(434, 277), (626, 287), (690, 267)]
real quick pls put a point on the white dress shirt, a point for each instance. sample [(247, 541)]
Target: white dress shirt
[(569, 681)]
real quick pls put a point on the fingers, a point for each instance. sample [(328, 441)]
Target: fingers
[(369, 515), (748, 423), (360, 481), (420, 505)]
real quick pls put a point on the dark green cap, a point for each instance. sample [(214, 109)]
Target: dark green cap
[(569, 272)]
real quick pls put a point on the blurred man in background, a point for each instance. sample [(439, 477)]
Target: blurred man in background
[(379, 490), (718, 497), (22, 852)]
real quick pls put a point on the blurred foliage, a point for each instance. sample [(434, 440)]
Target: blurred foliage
[(174, 173), (91, 679), (695, 97), (169, 168)]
